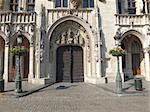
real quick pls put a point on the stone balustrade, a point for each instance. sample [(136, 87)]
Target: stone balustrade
[(17, 17), (136, 20), (55, 14)]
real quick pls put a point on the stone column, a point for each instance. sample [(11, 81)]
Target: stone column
[(1, 63), (22, 5), (147, 65), (22, 66), (98, 61), (121, 70), (6, 63), (31, 63), (146, 5), (10, 67), (97, 42), (139, 6)]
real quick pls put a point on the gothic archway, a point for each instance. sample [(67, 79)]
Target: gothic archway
[(133, 61), (69, 33)]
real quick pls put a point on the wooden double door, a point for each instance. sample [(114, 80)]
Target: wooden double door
[(69, 64)]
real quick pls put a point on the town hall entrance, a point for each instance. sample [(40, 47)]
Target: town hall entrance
[(69, 64), (133, 61)]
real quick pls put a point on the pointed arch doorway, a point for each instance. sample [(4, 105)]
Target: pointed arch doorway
[(133, 61), (24, 62), (69, 64)]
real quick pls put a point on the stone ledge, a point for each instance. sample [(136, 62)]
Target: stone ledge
[(42, 81)]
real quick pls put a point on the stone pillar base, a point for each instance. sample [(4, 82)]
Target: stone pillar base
[(91, 80)]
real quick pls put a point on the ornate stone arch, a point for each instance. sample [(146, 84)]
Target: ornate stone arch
[(71, 30), (25, 34), (73, 18), (84, 26), (139, 35)]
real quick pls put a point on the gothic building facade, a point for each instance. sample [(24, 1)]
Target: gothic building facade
[(69, 40)]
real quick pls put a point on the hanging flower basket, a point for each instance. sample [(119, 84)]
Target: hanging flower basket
[(19, 51), (117, 51)]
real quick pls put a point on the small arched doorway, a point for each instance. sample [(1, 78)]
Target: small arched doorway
[(132, 62), (24, 68), (69, 67), (2, 49)]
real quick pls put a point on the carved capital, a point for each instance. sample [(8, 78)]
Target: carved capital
[(146, 50)]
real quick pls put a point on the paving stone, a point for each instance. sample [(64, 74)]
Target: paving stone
[(74, 97)]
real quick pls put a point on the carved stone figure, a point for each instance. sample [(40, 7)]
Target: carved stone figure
[(70, 36), (76, 38), (63, 38), (75, 4)]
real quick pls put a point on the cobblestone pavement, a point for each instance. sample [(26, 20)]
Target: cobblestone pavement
[(76, 97)]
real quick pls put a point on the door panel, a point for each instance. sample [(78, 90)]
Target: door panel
[(77, 69), (63, 64), (66, 64), (69, 64)]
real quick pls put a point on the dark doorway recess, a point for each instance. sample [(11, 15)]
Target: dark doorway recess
[(69, 64)]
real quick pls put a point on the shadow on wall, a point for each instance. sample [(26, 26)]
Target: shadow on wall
[(103, 48)]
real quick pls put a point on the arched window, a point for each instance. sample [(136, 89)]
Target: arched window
[(88, 3), (61, 3)]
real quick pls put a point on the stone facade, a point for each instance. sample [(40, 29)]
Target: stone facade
[(91, 27)]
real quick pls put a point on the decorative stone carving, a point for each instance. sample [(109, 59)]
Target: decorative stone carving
[(37, 53), (118, 34), (148, 31), (22, 27), (69, 33), (75, 4), (32, 27), (70, 37)]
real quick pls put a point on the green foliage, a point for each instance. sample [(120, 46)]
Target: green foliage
[(117, 51), (19, 51)]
